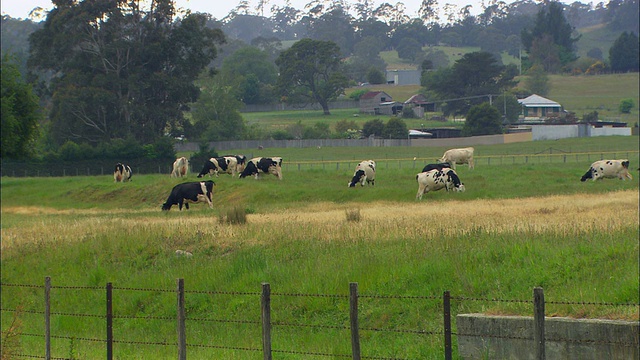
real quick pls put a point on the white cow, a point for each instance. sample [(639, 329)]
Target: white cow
[(608, 169), (365, 172), (180, 167), (458, 156), (434, 180)]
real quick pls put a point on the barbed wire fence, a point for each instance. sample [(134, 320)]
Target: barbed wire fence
[(444, 335)]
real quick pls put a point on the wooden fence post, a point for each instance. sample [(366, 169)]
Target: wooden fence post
[(538, 319), (265, 307), (446, 302), (353, 315), (47, 317), (182, 336), (109, 321)]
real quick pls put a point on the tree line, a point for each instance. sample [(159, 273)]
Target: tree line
[(120, 70)]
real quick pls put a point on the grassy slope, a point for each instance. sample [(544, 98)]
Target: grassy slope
[(85, 231)]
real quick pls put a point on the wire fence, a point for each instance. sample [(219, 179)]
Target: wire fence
[(127, 324), (16, 169)]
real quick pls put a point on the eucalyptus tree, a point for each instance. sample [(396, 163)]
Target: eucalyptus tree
[(311, 72), (123, 68)]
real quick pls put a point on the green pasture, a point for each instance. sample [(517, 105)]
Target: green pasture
[(394, 268)]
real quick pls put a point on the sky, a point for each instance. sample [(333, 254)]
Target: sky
[(219, 9)]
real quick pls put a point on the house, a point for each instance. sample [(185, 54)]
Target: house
[(370, 102), (536, 107)]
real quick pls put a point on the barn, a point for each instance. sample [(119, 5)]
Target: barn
[(370, 102)]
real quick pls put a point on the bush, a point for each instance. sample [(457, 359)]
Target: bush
[(356, 95), (590, 117), (395, 129), (373, 127), (235, 215), (626, 105), (203, 154)]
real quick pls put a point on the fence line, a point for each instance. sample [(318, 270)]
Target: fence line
[(328, 164), (267, 324)]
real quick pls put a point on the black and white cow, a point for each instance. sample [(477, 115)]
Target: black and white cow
[(365, 172), (194, 192), (241, 161), (435, 179), (122, 173), (608, 169), (438, 166), (223, 164), (263, 165)]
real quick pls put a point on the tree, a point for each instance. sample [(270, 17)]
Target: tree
[(373, 127), (395, 129), (216, 114), (623, 55), (472, 78), (310, 71), (123, 69), (508, 107), (482, 119), (20, 113), (410, 49), (375, 76), (551, 24), (251, 71), (537, 81)]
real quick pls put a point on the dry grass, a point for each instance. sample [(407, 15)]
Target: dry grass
[(562, 214)]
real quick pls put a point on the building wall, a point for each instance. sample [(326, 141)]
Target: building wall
[(553, 132), (609, 131)]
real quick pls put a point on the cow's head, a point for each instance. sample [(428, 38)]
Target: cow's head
[(625, 164), (587, 175), (453, 179), (358, 177)]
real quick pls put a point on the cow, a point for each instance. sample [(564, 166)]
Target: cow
[(122, 173), (180, 167), (458, 156), (365, 172), (435, 179), (263, 165), (438, 166), (608, 169), (241, 161), (217, 165), (194, 192)]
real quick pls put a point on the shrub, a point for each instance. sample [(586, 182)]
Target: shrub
[(373, 127), (235, 215), (203, 154), (357, 94), (626, 105), (353, 215), (590, 117)]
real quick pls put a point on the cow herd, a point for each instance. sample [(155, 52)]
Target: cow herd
[(433, 177)]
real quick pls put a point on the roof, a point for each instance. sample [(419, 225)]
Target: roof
[(416, 99), (538, 101), (373, 94)]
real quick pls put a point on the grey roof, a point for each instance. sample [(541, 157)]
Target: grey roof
[(538, 101)]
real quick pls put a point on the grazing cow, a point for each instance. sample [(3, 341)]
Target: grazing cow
[(435, 179), (194, 192), (608, 169), (224, 164), (458, 156), (122, 173), (180, 167), (241, 162), (365, 172), (263, 165), (439, 166)]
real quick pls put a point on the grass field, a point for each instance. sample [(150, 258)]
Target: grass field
[(516, 227)]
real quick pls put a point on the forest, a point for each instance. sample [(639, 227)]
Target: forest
[(142, 76)]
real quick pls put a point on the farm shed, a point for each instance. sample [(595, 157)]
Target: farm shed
[(370, 102), (390, 108), (420, 105), (403, 77), (536, 107)]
